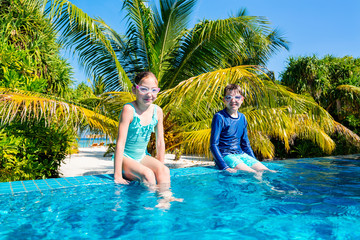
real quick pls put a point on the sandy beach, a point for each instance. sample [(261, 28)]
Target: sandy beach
[(91, 161)]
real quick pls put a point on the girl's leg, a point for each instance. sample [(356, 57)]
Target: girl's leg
[(162, 172), (135, 171)]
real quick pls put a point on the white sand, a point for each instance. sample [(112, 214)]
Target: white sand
[(91, 161)]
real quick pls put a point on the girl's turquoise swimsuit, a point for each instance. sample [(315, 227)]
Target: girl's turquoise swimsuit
[(228, 136), (138, 136)]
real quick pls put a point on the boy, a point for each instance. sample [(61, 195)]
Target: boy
[(229, 142)]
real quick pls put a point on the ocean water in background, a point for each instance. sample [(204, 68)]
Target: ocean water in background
[(88, 142)]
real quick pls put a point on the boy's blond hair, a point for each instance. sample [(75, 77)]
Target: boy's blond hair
[(233, 87)]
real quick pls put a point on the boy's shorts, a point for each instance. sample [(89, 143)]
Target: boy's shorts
[(232, 160)]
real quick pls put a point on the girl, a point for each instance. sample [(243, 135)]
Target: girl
[(138, 120)]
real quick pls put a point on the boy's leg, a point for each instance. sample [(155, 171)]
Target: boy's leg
[(250, 164), (243, 167), (260, 167), (255, 164), (135, 171), (236, 162), (162, 172)]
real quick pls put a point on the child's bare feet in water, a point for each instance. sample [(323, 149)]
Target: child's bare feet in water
[(166, 199)]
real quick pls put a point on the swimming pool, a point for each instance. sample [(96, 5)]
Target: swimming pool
[(315, 198)]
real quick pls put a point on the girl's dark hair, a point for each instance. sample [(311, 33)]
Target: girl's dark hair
[(140, 76), (233, 87)]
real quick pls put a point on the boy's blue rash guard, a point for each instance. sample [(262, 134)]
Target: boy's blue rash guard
[(228, 136)]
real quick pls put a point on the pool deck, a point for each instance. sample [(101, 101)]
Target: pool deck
[(91, 161)]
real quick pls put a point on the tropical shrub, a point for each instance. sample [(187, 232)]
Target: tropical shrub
[(334, 83), (30, 151), (29, 49), (37, 124)]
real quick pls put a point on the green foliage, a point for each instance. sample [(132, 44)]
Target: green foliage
[(82, 91), (333, 82), (17, 70), (29, 53), (301, 148), (37, 126), (353, 122), (30, 151), (344, 147)]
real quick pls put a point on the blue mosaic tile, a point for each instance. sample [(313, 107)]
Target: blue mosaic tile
[(53, 183), (16, 184), (58, 183), (105, 178), (4, 186), (64, 182), (43, 185), (31, 188), (73, 180), (81, 179), (6, 190), (91, 179)]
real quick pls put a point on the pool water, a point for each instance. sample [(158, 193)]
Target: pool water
[(307, 199)]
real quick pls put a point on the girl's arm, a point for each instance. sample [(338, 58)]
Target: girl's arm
[(159, 131), (125, 119)]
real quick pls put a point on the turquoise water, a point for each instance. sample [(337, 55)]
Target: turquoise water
[(87, 142), (306, 199)]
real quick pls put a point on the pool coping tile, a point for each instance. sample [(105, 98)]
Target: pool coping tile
[(68, 182)]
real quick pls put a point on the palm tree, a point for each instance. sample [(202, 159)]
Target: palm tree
[(193, 66), (333, 83), (34, 79)]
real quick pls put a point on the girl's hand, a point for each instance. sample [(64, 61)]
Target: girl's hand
[(121, 181)]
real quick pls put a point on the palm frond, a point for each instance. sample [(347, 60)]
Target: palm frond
[(262, 145), (169, 24), (112, 103), (347, 133), (197, 142), (211, 45), (85, 35), (353, 90), (141, 32), (211, 85), (28, 106)]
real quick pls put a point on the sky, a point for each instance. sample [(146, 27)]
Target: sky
[(319, 27)]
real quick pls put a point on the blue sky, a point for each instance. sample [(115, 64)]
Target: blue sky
[(317, 27)]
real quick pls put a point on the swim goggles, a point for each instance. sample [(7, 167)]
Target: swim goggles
[(145, 90), (237, 98)]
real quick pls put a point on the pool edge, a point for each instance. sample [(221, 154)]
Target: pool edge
[(100, 179)]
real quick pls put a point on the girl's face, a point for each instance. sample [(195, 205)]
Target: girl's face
[(146, 91)]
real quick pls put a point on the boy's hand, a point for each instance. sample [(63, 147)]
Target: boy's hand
[(231, 170)]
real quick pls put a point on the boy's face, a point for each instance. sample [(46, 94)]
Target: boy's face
[(233, 100)]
